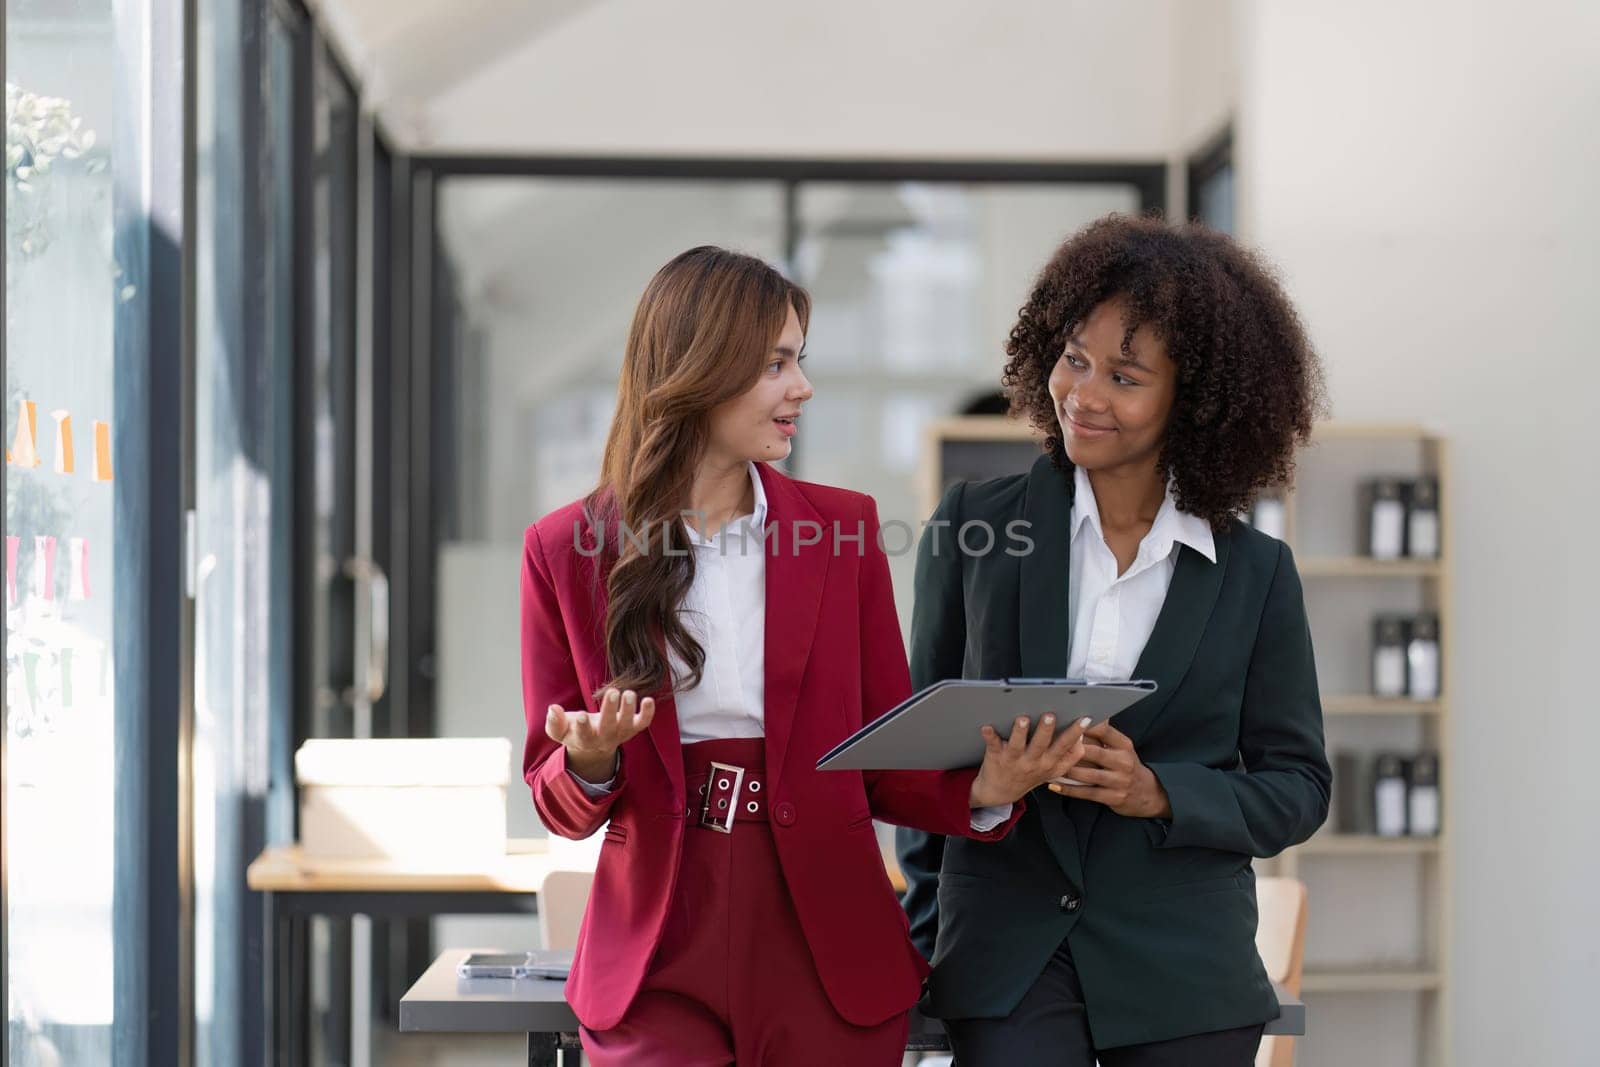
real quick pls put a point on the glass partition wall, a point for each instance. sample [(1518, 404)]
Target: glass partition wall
[(97, 968)]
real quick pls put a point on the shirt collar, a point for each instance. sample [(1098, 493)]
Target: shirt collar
[(1170, 527), (756, 520), (758, 517), (1084, 507)]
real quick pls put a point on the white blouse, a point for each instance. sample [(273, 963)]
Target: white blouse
[(725, 611), (1113, 615)]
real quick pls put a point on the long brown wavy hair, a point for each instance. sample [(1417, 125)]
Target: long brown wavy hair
[(704, 328)]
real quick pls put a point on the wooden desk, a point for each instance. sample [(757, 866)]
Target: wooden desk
[(295, 888), (286, 869)]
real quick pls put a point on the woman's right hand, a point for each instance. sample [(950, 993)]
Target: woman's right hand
[(1014, 767), (592, 738)]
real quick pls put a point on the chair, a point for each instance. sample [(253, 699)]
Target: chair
[(1281, 942), (562, 897)]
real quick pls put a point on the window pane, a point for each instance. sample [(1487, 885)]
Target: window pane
[(71, 290), (547, 272), (333, 395), (915, 287), (1215, 208)]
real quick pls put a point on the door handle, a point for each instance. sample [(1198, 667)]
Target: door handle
[(368, 576)]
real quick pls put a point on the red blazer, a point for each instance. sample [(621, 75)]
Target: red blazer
[(834, 661)]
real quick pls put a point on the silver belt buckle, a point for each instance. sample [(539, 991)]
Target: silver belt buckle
[(719, 774)]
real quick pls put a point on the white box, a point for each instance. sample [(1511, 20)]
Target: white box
[(438, 802)]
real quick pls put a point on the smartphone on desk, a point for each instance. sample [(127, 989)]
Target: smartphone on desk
[(540, 963)]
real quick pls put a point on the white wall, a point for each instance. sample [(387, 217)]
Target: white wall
[(1424, 174), (1205, 71), (1205, 86), (1078, 79)]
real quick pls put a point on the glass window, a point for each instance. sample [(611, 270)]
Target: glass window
[(547, 272), (1215, 194), (332, 398), (77, 302), (915, 287)]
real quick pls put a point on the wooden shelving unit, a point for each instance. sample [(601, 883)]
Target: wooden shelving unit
[(1328, 844), (1357, 704), (1370, 982), (1344, 591), (954, 431), (1357, 567)]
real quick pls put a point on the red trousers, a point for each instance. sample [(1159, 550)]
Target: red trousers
[(732, 980)]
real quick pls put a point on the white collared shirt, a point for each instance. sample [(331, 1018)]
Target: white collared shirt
[(725, 611), (1113, 615)]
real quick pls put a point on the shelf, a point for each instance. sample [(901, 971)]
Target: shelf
[(1363, 567), (1368, 981), (1371, 431), (979, 428), (1326, 844), (1356, 704)]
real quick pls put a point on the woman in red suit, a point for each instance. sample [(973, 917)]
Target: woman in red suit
[(696, 633)]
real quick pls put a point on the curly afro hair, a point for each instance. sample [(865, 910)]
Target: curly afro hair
[(1249, 386)]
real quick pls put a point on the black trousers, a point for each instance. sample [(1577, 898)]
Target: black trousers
[(1050, 1028)]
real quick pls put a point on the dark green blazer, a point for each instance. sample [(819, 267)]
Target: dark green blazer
[(1160, 915)]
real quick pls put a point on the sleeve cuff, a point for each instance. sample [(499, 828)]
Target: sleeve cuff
[(987, 818), (598, 790), (1187, 786)]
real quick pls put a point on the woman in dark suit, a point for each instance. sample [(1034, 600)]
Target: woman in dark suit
[(1172, 381), (696, 634)]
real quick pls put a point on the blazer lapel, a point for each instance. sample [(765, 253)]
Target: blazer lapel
[(663, 734), (795, 576), (1176, 637), (1044, 625)]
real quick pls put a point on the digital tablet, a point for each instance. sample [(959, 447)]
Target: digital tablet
[(540, 963), (938, 728)]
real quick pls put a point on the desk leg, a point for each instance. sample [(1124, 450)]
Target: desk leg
[(546, 1050), (286, 962), (270, 964), (543, 1050), (299, 990)]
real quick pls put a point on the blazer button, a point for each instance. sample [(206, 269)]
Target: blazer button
[(1071, 903), (784, 813)]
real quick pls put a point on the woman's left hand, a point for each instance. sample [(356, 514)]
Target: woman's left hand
[(1112, 774)]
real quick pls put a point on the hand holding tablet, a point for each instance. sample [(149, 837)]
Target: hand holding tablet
[(940, 727)]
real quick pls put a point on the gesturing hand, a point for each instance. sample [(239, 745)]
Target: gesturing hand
[(1112, 774), (592, 738), (1012, 768)]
